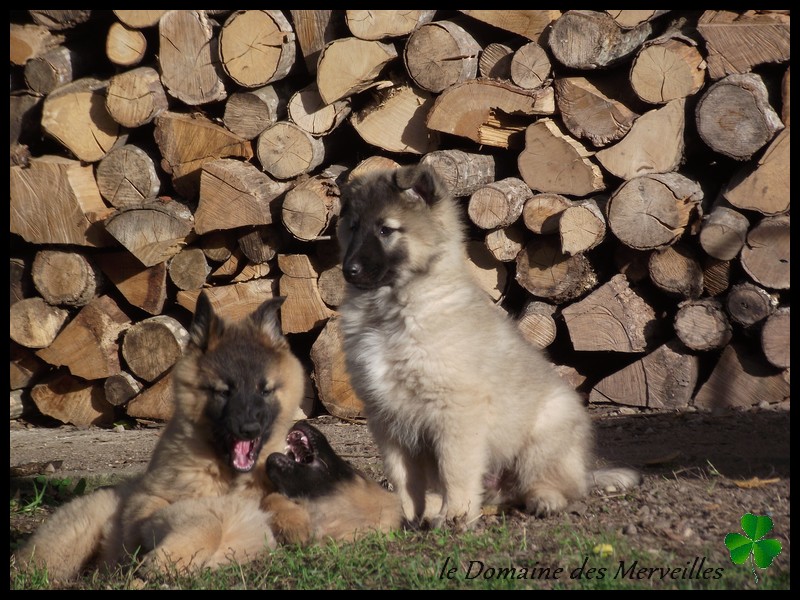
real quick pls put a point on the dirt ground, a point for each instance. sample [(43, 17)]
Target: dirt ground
[(702, 472)]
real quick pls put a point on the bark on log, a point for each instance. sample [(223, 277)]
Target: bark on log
[(498, 204), (233, 301), (314, 29), (702, 324), (747, 304), (259, 244), (723, 232), (546, 272), (29, 41), (716, 275), (330, 374), (54, 68), (582, 226), (542, 212), (286, 151), (307, 110), (120, 388), (144, 287), (350, 65), (127, 177), (303, 309), (380, 24), (628, 19), (151, 346), (463, 173), (676, 270), (311, 206), (34, 323), (537, 324), (65, 278), (530, 24), (60, 20), (668, 67), (73, 400), (763, 186), (785, 97), (249, 112), (530, 66), (765, 255), (775, 338), (188, 269), (125, 46), (495, 61), (136, 97), (505, 243), (139, 19), (441, 54)]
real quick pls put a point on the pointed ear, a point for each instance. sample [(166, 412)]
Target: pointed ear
[(205, 322), (420, 182), (265, 317)]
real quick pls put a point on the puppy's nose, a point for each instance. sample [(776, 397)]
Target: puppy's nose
[(352, 269)]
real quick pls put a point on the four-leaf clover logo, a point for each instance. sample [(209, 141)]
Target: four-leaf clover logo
[(743, 547)]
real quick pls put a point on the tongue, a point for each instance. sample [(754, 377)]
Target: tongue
[(241, 455)]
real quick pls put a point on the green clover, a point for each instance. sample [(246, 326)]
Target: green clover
[(742, 547)]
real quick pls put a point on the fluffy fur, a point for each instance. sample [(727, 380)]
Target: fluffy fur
[(462, 407), (199, 503)]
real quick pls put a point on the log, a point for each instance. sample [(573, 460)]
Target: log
[(628, 19), (187, 142), (16, 408), (25, 367), (307, 110), (136, 97), (330, 374), (736, 42), (314, 29), (676, 270), (151, 346), (252, 271), (127, 177), (256, 47), (553, 161), (349, 65), (56, 67), (154, 231), (370, 165), (311, 206), (144, 287), (530, 66), (785, 99), (542, 212), (188, 57), (34, 323), (490, 274), (380, 24), (612, 318), (589, 113), (56, 201), (653, 211), (59, 20), (156, 402), (65, 278), (76, 117), (232, 301), (716, 275), (234, 194), (546, 272), (231, 266), (765, 255), (286, 151), (664, 379), (29, 41), (217, 245), (331, 285), (723, 232), (537, 324), (88, 345), (259, 244), (748, 304), (73, 400), (498, 204), (734, 116), (530, 24), (775, 338), (654, 144), (505, 243), (763, 186), (632, 263), (441, 54), (125, 46), (188, 269), (120, 388), (303, 309), (25, 113), (582, 226), (488, 112), (741, 379), (702, 324), (585, 39), (463, 173), (249, 112), (495, 61), (139, 19), (669, 67), (394, 119)]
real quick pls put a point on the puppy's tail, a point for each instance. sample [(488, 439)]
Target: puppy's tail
[(619, 478)]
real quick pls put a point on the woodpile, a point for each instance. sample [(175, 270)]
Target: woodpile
[(624, 177)]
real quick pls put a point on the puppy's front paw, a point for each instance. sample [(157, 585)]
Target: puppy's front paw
[(291, 523), (545, 503)]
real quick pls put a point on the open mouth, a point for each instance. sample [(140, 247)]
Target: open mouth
[(299, 448), (244, 454)]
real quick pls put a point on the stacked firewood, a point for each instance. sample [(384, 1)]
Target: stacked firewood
[(624, 174)]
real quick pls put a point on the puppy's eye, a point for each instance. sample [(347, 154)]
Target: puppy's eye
[(386, 231)]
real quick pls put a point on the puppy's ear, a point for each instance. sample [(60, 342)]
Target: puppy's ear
[(420, 182), (205, 324), (265, 318)]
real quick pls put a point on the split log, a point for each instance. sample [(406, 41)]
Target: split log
[(231, 266), (765, 255), (188, 57), (585, 39), (259, 244), (311, 206), (330, 374), (490, 274), (29, 41), (763, 186), (668, 67), (487, 111), (723, 232), (677, 271), (546, 272), (73, 400), (60, 20), (628, 19), (702, 324), (664, 379), (654, 144), (76, 117), (136, 97), (349, 65), (56, 67), (144, 287), (653, 211), (380, 24), (785, 99), (741, 380), (747, 304), (65, 278), (775, 338), (156, 402), (88, 345), (589, 113), (125, 46), (505, 243), (233, 194), (151, 346), (553, 161), (462, 173), (152, 232), (252, 271), (274, 145), (256, 47), (217, 245), (542, 212), (582, 226), (187, 142), (498, 204), (441, 54), (612, 318), (537, 324), (235, 301), (716, 275), (314, 29), (249, 112), (530, 24), (372, 164), (188, 269), (734, 116), (127, 177), (34, 323), (530, 66), (120, 388), (495, 61), (25, 367), (331, 285), (56, 201), (139, 19), (17, 404), (303, 309), (736, 42), (307, 110)]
